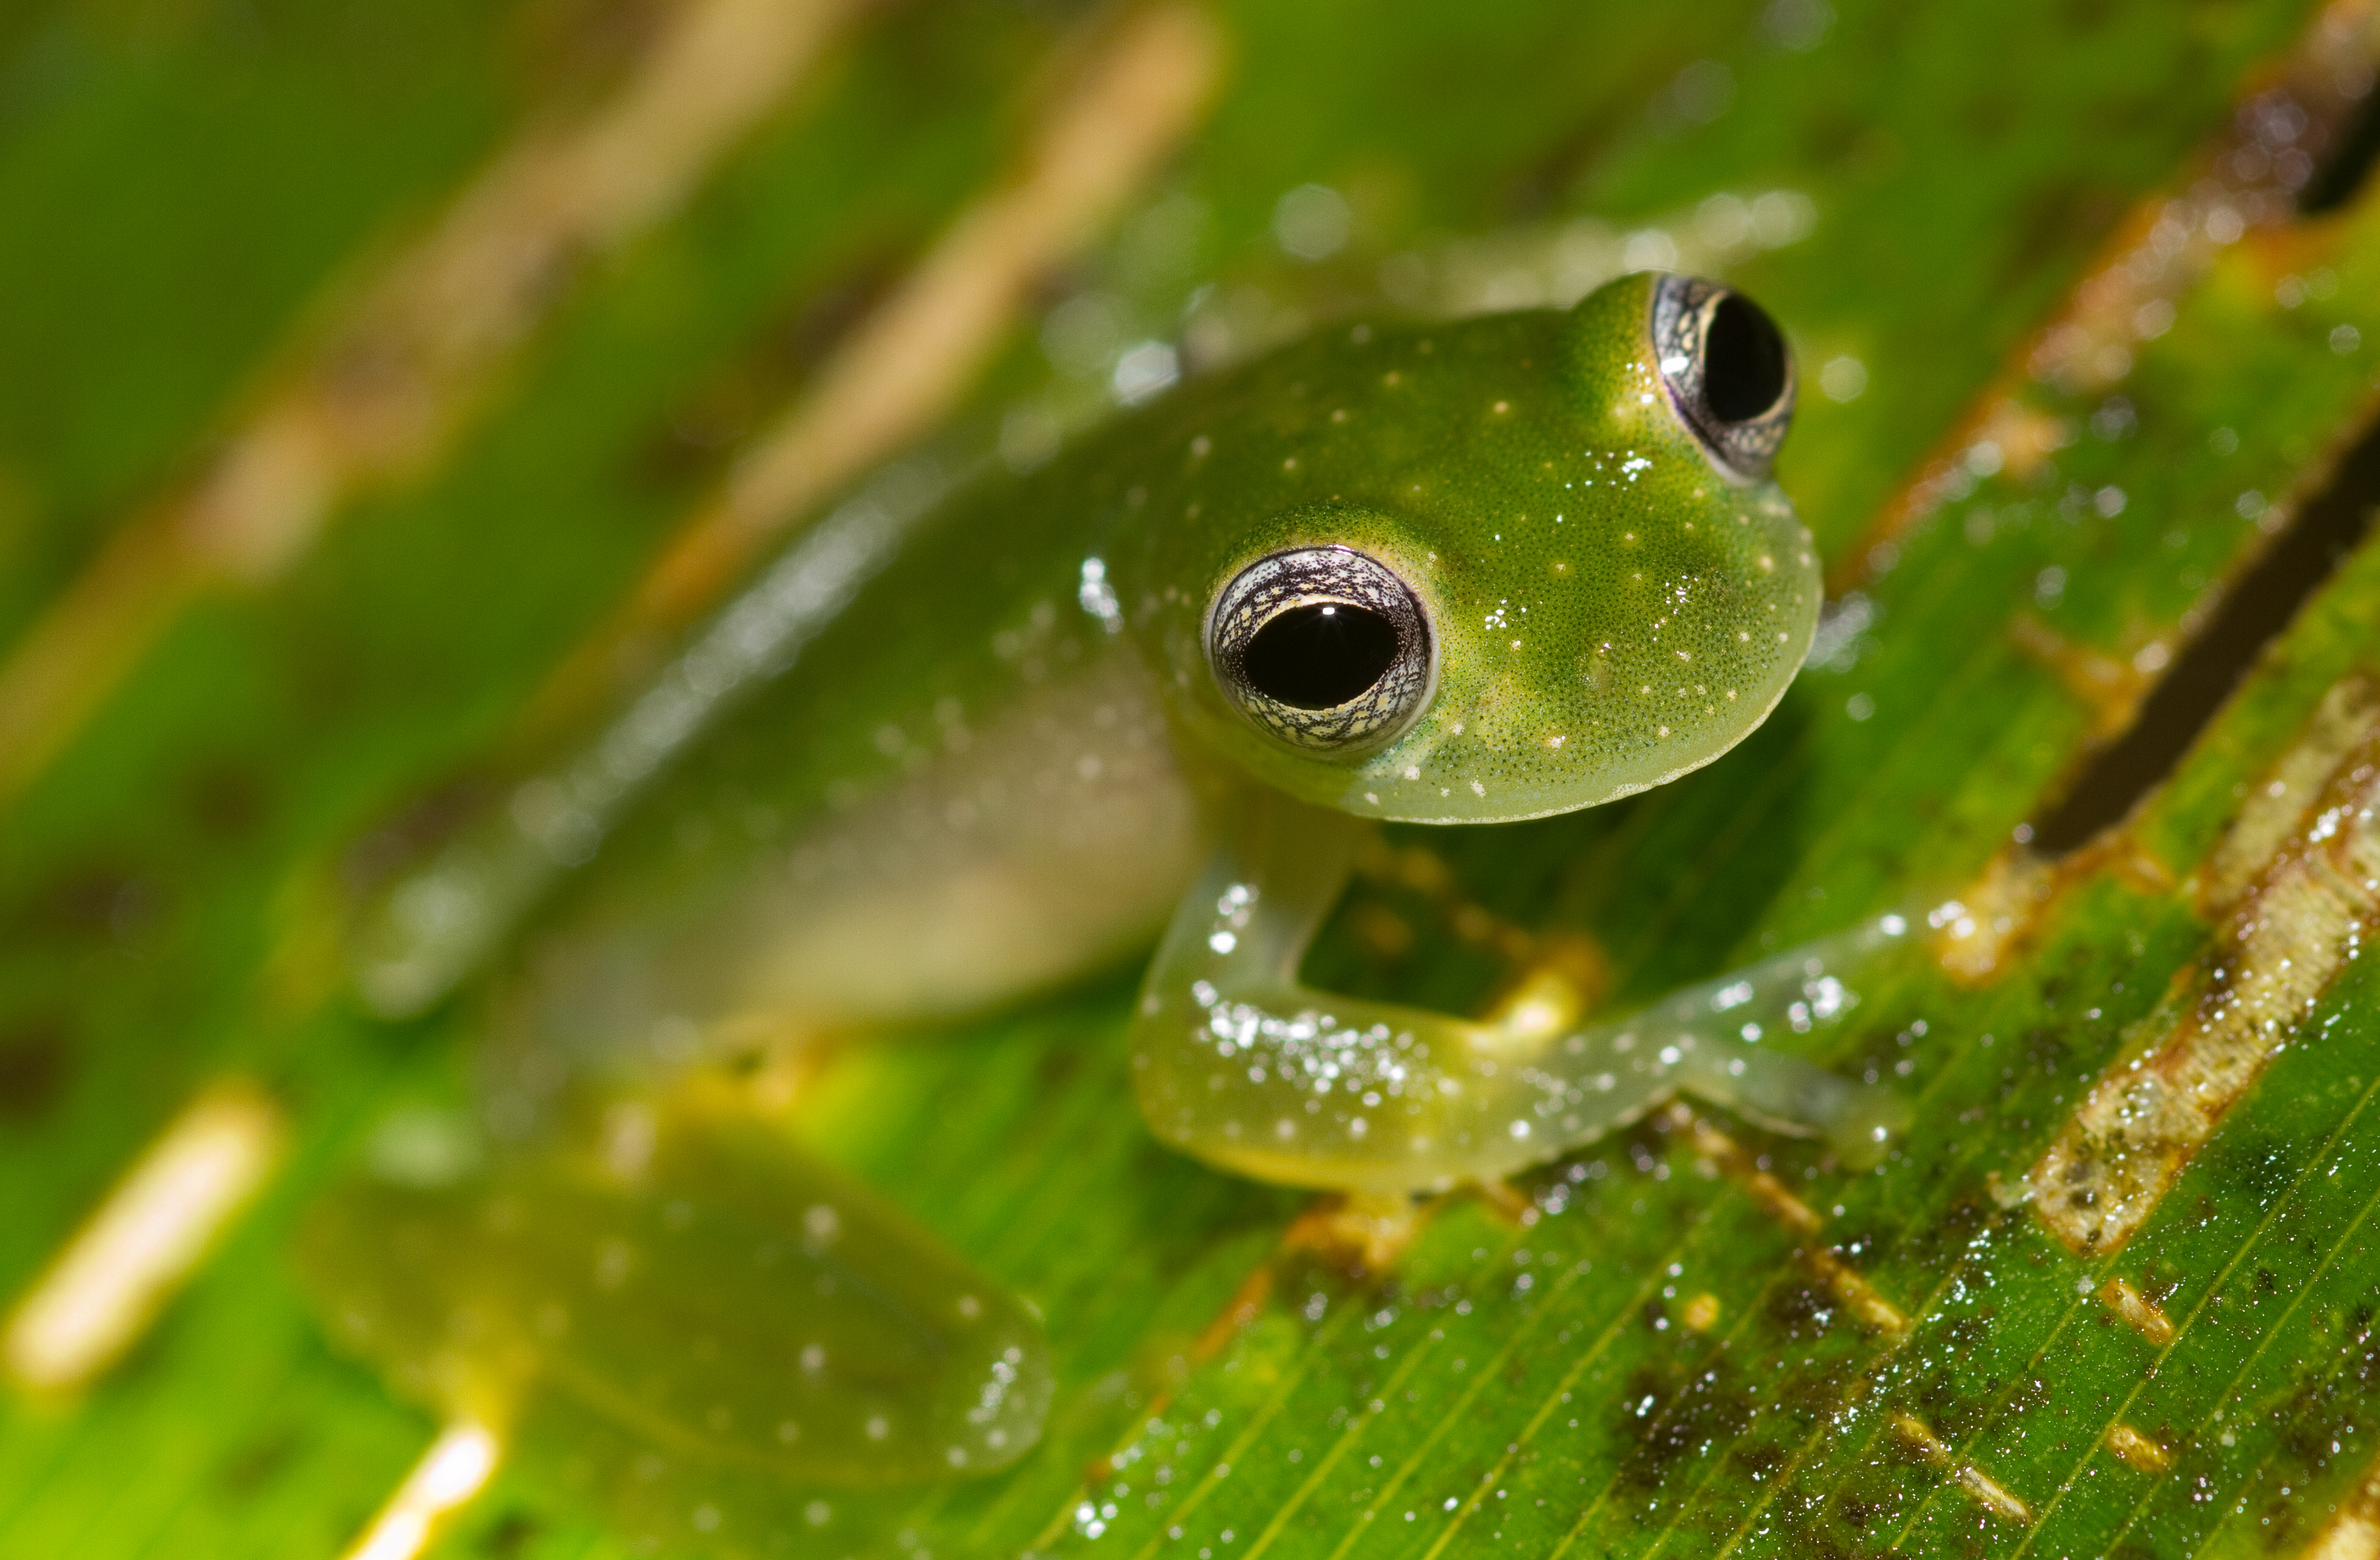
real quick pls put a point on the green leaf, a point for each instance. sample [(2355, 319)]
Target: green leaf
[(2067, 1317)]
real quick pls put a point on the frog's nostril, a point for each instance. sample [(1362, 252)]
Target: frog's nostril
[(1743, 361), (1318, 656)]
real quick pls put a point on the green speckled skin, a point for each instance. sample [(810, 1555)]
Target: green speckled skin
[(1613, 612)]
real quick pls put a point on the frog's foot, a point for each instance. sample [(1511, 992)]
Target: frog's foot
[(1714, 1036), (1239, 1064)]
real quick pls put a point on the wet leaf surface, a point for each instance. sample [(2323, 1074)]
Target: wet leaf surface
[(1692, 1339)]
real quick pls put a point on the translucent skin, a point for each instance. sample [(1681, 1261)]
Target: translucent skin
[(1611, 609), (709, 1296)]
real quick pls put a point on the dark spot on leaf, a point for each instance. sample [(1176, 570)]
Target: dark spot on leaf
[(412, 833), (509, 1535), (257, 1463), (228, 800), (2250, 614), (34, 1058), (93, 899), (1706, 1414), (697, 433), (1800, 1311), (1057, 1065), (2060, 218)]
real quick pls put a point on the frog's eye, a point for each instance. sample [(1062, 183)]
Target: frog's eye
[(1322, 647), (1726, 370)]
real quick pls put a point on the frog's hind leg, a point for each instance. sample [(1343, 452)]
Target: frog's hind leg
[(1239, 1064)]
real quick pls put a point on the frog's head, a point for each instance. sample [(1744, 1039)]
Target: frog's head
[(1488, 570)]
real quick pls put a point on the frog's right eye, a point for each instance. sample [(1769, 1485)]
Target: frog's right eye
[(1322, 647), (1728, 373)]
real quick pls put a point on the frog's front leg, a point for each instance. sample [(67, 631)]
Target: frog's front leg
[(1237, 1063)]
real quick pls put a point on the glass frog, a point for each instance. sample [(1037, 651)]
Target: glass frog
[(1466, 572)]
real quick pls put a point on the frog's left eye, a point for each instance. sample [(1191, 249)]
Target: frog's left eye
[(1726, 370), (1323, 647)]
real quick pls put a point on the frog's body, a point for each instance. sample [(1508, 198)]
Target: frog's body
[(981, 777), (1473, 572)]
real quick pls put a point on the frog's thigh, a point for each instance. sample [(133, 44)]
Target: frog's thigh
[(1059, 836), (1059, 839)]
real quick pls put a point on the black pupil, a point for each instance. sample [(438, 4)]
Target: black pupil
[(1312, 658), (1744, 362)]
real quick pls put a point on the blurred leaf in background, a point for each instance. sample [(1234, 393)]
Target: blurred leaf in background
[(308, 543)]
